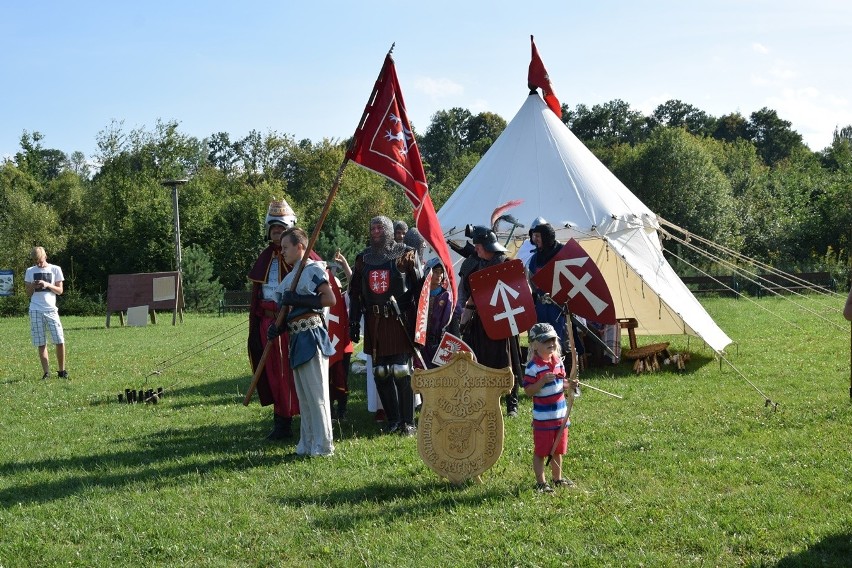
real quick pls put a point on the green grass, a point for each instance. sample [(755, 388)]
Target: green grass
[(690, 469)]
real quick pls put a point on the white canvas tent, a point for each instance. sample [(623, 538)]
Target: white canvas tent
[(538, 159)]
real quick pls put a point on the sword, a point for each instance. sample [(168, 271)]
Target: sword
[(395, 307)]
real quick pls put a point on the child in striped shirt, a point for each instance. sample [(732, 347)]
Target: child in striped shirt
[(545, 382)]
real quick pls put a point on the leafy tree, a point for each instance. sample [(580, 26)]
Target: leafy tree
[(25, 223), (608, 124), (772, 136), (838, 156), (445, 139), (802, 189), (335, 238), (201, 288), (40, 163), (222, 153), (731, 127), (237, 237), (675, 176), (79, 165), (675, 113), (483, 130)]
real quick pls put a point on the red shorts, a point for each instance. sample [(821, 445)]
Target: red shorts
[(543, 442)]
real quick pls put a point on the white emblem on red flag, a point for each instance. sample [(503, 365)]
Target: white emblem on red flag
[(384, 143), (450, 344)]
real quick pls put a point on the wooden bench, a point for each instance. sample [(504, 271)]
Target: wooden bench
[(723, 284), (796, 282), (235, 301)]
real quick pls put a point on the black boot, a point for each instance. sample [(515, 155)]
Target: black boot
[(281, 428), (341, 407)]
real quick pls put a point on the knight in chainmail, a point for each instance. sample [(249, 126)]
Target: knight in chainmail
[(415, 240), (543, 238), (400, 228), (386, 283)]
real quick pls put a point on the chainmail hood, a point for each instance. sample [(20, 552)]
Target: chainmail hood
[(384, 248)]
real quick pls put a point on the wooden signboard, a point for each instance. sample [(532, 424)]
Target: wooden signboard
[(157, 290)]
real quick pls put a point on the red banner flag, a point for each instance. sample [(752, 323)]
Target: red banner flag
[(538, 78), (384, 143)]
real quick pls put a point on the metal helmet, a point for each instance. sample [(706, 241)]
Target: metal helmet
[(546, 230), (484, 236), (279, 213)]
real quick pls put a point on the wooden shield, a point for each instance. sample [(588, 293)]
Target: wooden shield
[(572, 277), (460, 432), (503, 299)]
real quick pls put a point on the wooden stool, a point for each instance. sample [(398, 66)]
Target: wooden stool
[(630, 324)]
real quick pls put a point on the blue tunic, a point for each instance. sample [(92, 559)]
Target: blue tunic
[(304, 344)]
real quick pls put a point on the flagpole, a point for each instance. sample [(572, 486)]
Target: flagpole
[(282, 313)]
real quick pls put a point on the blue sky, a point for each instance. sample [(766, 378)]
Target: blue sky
[(306, 68)]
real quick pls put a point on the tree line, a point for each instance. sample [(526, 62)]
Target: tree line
[(749, 183)]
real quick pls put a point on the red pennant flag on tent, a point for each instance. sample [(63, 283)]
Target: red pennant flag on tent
[(538, 78), (385, 144)]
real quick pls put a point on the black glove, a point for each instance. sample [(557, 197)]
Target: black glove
[(355, 333), (289, 298), (272, 332), (454, 326)]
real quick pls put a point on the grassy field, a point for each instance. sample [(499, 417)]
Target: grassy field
[(690, 469)]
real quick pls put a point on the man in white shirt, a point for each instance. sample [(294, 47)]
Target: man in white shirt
[(44, 283)]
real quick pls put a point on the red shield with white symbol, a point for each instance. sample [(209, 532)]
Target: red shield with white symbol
[(572, 277), (337, 322), (503, 299), (450, 345), (379, 281)]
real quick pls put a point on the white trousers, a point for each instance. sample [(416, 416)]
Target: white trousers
[(316, 437)]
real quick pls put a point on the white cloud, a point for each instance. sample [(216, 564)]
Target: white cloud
[(650, 104), (782, 71), (812, 115), (442, 87), (480, 105), (759, 48)]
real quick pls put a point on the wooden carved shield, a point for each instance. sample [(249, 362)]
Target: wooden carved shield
[(460, 433)]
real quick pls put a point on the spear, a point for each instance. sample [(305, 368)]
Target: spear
[(282, 313)]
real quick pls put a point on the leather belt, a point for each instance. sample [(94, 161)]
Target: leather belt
[(381, 310), (304, 323)]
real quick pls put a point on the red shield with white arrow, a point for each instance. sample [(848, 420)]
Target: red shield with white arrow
[(503, 299), (572, 277)]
